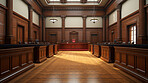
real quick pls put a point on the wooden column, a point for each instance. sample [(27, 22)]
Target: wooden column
[(147, 25), (142, 23), (84, 28), (63, 28), (30, 24), (43, 32), (107, 28), (119, 23), (104, 29), (40, 21), (9, 28)]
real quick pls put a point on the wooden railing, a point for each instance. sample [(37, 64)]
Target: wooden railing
[(14, 61)]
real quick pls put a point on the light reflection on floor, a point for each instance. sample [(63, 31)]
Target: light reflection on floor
[(73, 67)]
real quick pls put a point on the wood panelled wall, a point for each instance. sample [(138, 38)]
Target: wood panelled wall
[(2, 25), (147, 21), (116, 31), (18, 21), (131, 19), (122, 24), (84, 34), (9, 26)]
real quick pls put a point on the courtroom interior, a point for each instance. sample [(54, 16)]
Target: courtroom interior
[(73, 41)]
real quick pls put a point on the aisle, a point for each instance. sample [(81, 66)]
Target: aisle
[(74, 67)]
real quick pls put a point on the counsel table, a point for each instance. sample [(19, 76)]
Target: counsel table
[(73, 46)]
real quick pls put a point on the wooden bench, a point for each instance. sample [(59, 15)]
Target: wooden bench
[(89, 47), (55, 49), (92, 48), (133, 59), (107, 53), (97, 50), (14, 60), (49, 50)]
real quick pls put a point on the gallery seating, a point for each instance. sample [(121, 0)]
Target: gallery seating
[(133, 59), (14, 60), (92, 48), (107, 53), (97, 50), (17, 58), (55, 49), (49, 50), (89, 47)]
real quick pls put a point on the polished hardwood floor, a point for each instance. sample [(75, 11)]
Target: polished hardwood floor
[(74, 67)]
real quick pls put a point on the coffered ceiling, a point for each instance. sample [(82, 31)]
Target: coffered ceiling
[(46, 3)]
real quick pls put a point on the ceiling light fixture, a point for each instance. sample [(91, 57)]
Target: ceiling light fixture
[(94, 20), (53, 20)]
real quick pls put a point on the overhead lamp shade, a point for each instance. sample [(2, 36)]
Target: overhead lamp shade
[(94, 20), (53, 20)]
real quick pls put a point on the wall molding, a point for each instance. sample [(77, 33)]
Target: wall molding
[(15, 13), (130, 15)]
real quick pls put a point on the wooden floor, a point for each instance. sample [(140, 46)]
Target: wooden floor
[(74, 67)]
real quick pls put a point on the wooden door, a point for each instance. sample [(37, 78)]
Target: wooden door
[(94, 38), (53, 38), (20, 35)]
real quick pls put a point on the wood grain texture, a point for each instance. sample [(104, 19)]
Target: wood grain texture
[(132, 60), (107, 53), (97, 50), (2, 25), (39, 54), (15, 61), (74, 67), (49, 51), (73, 46)]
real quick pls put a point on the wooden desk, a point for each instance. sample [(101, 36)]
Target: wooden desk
[(73, 46), (97, 50)]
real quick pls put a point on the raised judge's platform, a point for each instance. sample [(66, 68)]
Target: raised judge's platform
[(73, 47)]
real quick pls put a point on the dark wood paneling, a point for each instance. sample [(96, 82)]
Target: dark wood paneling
[(113, 32), (73, 46), (17, 22), (79, 31), (132, 19), (132, 60), (114, 5), (35, 32), (97, 50), (15, 61), (55, 49), (99, 33), (72, 13), (2, 25), (89, 47), (34, 5), (147, 23), (107, 53), (40, 54), (67, 31), (92, 48), (49, 51), (48, 32)]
